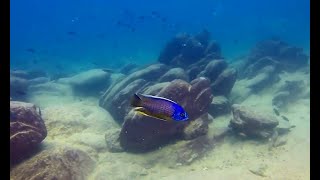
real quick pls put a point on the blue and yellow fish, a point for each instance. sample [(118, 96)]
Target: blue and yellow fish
[(158, 107)]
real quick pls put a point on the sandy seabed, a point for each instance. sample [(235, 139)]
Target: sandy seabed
[(81, 123)]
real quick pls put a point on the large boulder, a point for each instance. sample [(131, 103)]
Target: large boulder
[(141, 133), (254, 69), (32, 74), (201, 58), (213, 69), (90, 82), (60, 163), (27, 129), (289, 57), (265, 78), (288, 92), (39, 80), (51, 88), (252, 123), (224, 82), (196, 128), (184, 49), (18, 88), (117, 96), (128, 68), (220, 105), (120, 103), (174, 73), (173, 48)]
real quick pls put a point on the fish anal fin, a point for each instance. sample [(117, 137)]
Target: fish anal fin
[(141, 110)]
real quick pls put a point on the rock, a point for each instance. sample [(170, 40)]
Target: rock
[(90, 82), (289, 92), (214, 50), (199, 98), (173, 48), (27, 129), (256, 67), (294, 87), (280, 99), (192, 51), (283, 127), (264, 79), (224, 82), (155, 89), (210, 118), (282, 140), (39, 80), (291, 58), (119, 105), (220, 105), (203, 37), (62, 163), (194, 149), (126, 86), (185, 50), (194, 71), (113, 142), (141, 133), (174, 73), (50, 88), (128, 68), (214, 69), (252, 123), (196, 128), (28, 75), (278, 140), (18, 88)]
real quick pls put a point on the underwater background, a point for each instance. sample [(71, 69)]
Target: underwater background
[(239, 68)]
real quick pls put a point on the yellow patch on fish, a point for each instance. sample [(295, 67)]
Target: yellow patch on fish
[(142, 111)]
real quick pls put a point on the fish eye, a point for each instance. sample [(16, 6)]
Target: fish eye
[(182, 114)]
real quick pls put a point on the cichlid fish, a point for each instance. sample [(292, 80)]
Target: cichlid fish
[(158, 107)]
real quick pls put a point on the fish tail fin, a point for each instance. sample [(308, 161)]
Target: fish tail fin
[(136, 101)]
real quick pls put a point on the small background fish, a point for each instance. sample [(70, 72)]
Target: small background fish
[(158, 107)]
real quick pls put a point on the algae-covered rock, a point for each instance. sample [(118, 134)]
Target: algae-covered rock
[(251, 122), (214, 69), (27, 129), (224, 82), (289, 92), (141, 133), (220, 105), (174, 73), (120, 92), (90, 82), (196, 128), (60, 163)]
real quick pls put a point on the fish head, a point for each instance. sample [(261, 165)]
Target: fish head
[(180, 114)]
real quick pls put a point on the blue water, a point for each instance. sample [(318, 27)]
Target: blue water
[(67, 37), (98, 41)]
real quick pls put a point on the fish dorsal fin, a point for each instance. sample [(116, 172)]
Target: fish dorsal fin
[(157, 97)]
